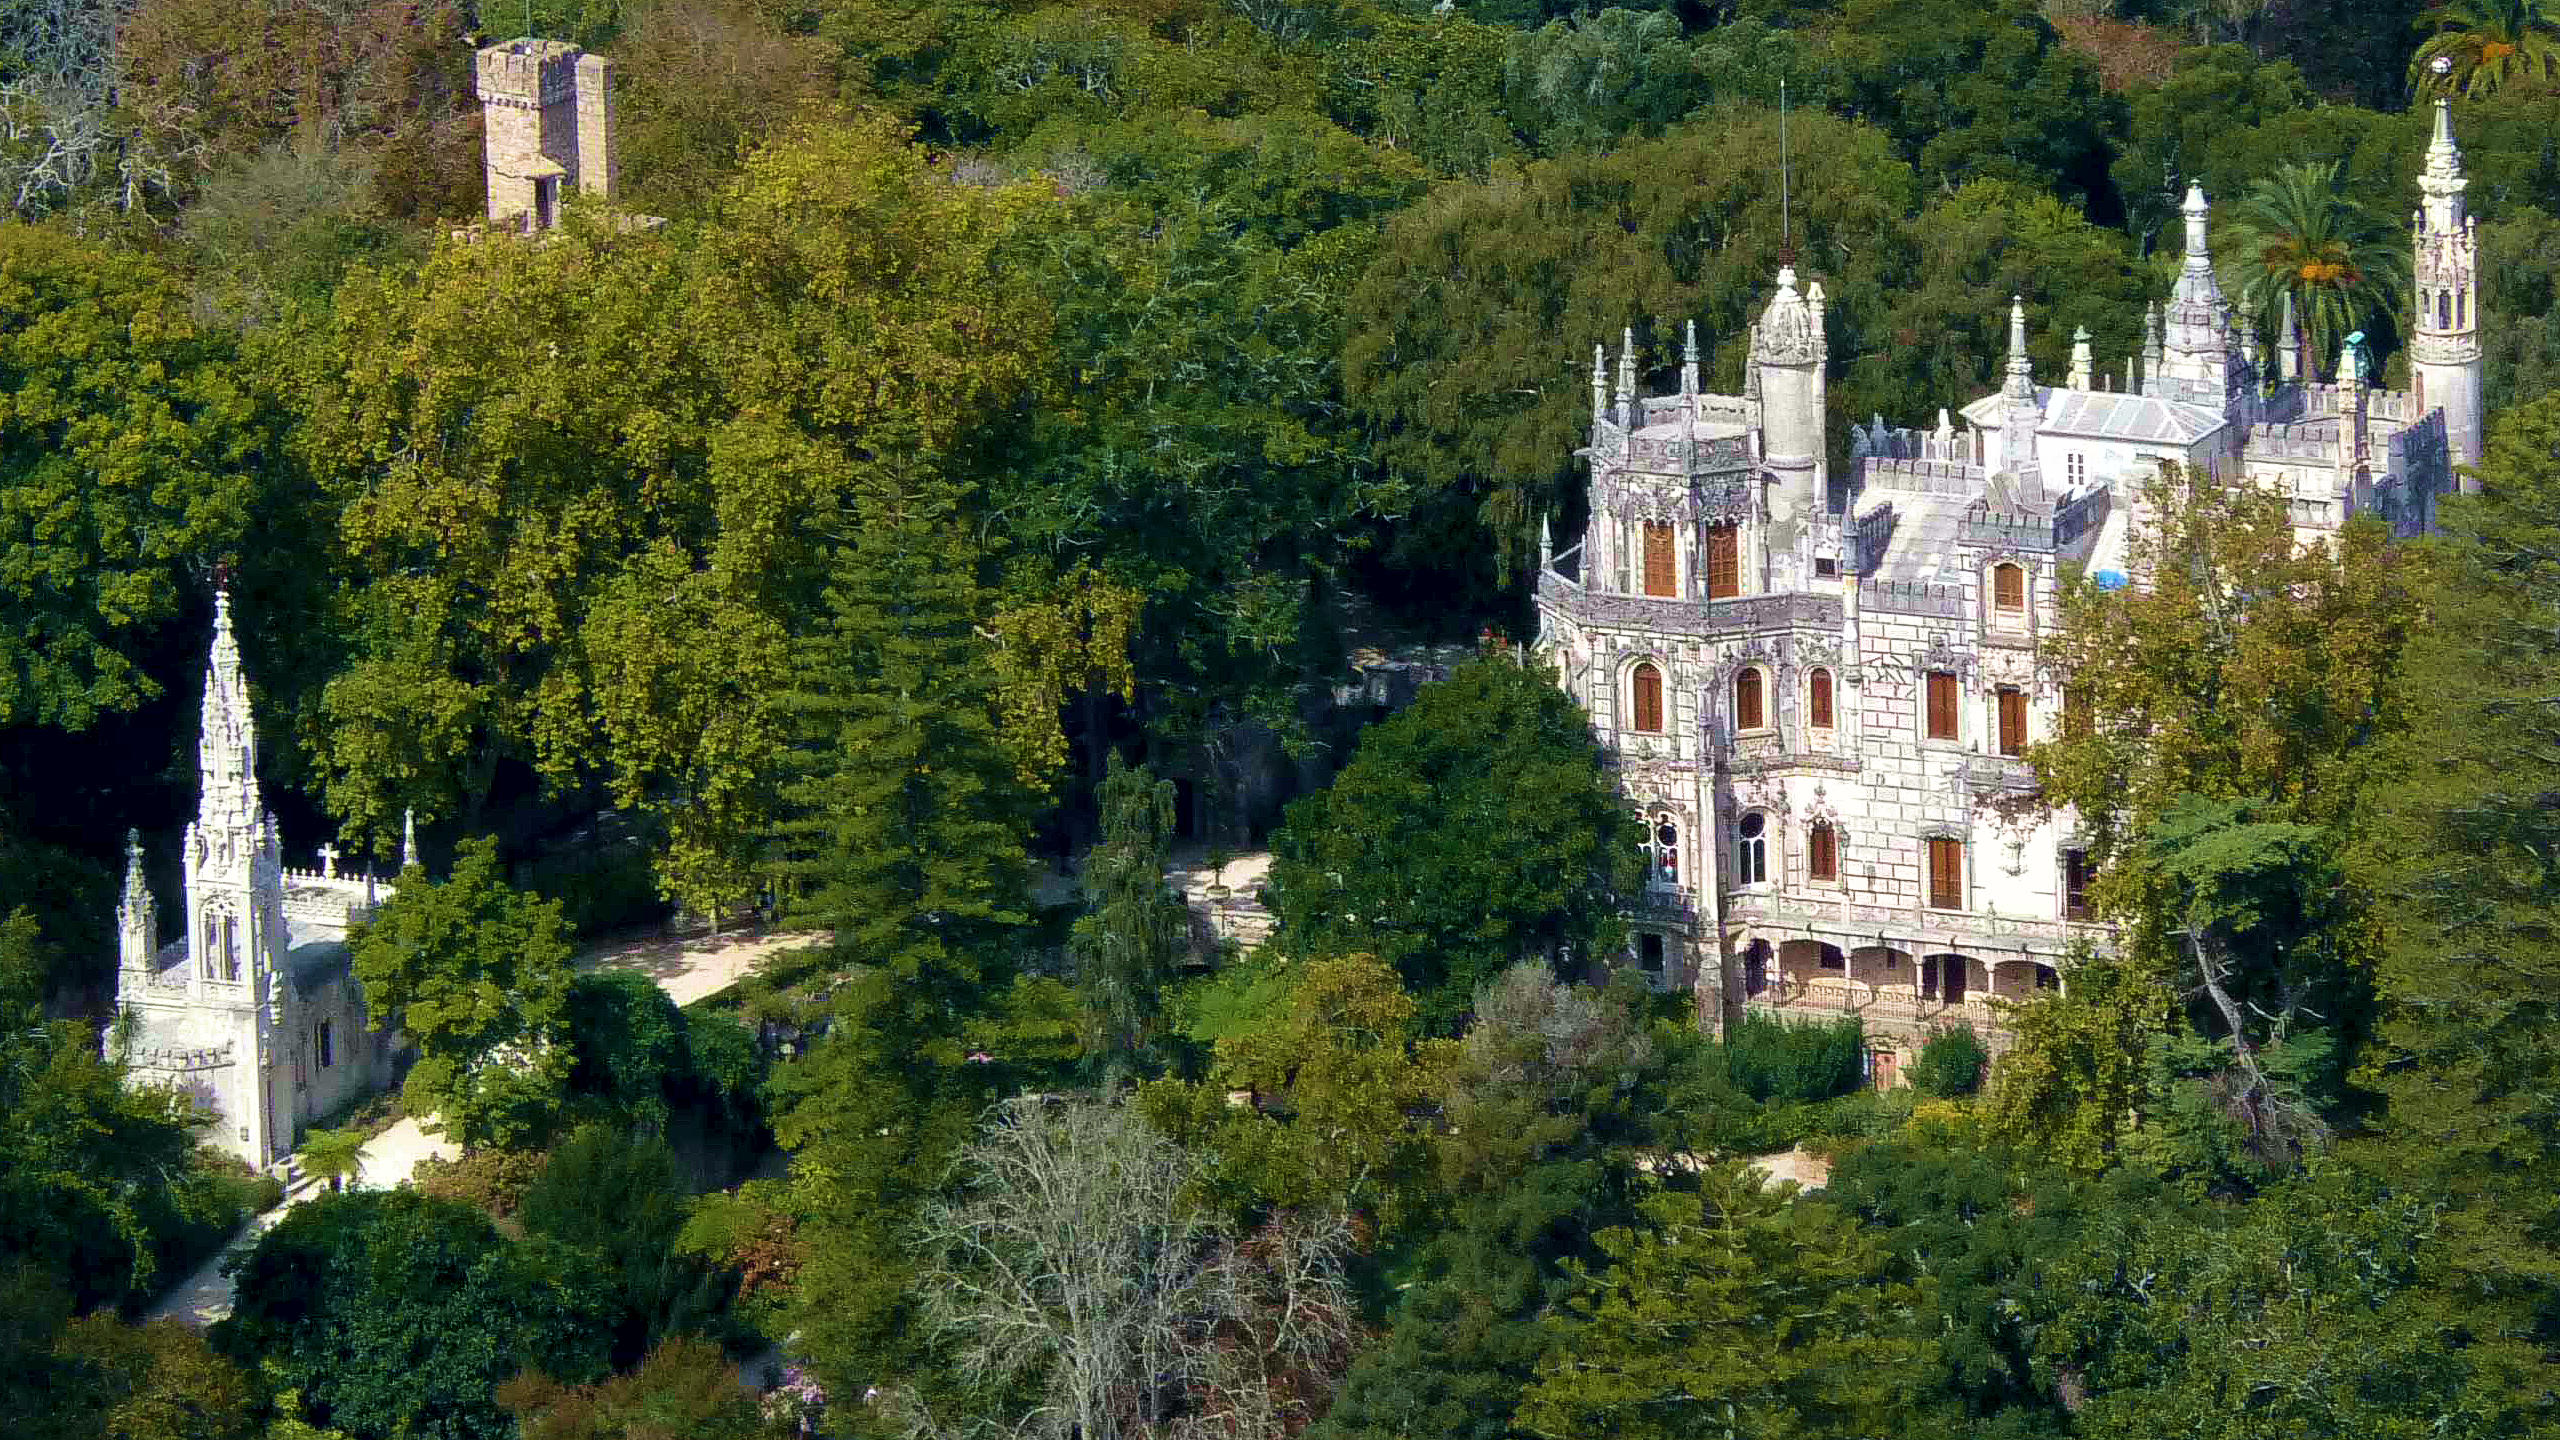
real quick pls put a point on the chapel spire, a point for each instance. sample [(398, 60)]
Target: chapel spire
[(227, 745)]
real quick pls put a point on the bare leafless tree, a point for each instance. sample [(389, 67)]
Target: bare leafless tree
[(1069, 1264)]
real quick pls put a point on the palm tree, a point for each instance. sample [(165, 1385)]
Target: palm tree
[(2479, 45), (2305, 239), (333, 1155)]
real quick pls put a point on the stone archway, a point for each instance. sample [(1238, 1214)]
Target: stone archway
[(1949, 978)]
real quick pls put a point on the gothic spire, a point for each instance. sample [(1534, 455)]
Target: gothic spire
[(1689, 360), (2083, 365), (409, 836), (1599, 381), (2441, 184), (227, 745)]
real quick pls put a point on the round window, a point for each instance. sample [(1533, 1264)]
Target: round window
[(1751, 825)]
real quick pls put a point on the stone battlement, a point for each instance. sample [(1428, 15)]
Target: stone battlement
[(173, 1061), (530, 74)]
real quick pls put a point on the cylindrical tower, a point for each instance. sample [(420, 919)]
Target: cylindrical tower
[(1788, 352)]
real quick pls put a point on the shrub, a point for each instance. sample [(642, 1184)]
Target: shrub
[(1802, 1060), (1951, 1063), (493, 1181)]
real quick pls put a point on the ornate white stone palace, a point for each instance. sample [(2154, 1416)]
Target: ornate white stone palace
[(252, 1010), (1816, 687)]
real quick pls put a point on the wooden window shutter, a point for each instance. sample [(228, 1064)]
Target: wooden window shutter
[(1661, 564), (1946, 874), (1724, 562), (2013, 723), (1825, 851), (1750, 708), (1821, 688), (2009, 587), (1648, 683), (2075, 884), (1942, 706)]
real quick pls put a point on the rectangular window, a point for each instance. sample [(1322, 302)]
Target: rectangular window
[(2076, 469), (1661, 564), (1823, 853), (2009, 587), (1821, 699), (1942, 705), (1825, 568), (1649, 954), (2013, 723), (1946, 874), (2075, 884), (1724, 561)]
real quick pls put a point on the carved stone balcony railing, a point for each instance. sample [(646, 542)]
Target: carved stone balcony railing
[(2005, 774), (1910, 927)]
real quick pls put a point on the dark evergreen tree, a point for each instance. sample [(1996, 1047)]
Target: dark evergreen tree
[(1135, 930), (2462, 853), (905, 820)]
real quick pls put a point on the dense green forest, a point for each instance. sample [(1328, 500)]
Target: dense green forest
[(990, 459)]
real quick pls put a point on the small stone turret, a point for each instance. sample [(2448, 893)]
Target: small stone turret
[(547, 121)]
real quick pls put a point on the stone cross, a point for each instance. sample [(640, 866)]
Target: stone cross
[(328, 862)]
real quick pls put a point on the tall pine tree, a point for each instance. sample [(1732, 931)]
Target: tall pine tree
[(905, 837)]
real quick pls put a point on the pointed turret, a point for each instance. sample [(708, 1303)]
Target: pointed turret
[(137, 918), (1689, 361), (2024, 412), (2151, 347), (409, 831), (2291, 359), (1599, 383)]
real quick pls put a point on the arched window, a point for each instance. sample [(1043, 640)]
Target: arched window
[(1661, 846), (1751, 850), (1819, 687), (323, 1048), (2444, 309), (1750, 701), (2009, 587), (2461, 307), (230, 948), (1823, 851), (1646, 681)]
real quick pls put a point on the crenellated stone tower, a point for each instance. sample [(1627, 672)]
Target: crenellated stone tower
[(547, 118), (2444, 344)]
